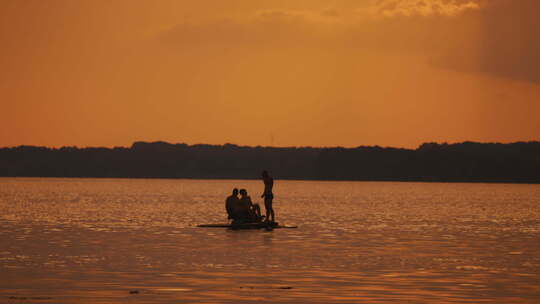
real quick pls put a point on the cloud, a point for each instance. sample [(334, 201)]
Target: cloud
[(392, 8), (495, 37), (278, 28), (509, 39)]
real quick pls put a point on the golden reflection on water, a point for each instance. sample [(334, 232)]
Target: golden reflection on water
[(117, 241)]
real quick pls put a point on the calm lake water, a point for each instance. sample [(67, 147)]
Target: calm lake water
[(95, 240)]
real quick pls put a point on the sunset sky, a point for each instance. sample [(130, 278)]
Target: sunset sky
[(261, 72)]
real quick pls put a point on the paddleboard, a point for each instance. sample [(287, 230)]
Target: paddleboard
[(247, 226)]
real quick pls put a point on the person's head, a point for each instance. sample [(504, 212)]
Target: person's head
[(243, 192), (264, 173), (235, 192)]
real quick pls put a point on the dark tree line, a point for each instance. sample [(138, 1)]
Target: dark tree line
[(466, 162)]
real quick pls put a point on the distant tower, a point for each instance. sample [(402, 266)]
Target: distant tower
[(271, 140)]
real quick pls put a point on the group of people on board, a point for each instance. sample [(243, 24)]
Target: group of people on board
[(243, 210)]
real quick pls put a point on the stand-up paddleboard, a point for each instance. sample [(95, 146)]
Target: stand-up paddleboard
[(259, 225)]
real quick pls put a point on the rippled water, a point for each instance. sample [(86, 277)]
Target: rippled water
[(97, 240)]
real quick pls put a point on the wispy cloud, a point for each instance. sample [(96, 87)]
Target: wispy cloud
[(498, 37), (392, 8)]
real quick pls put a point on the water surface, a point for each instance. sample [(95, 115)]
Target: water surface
[(95, 240)]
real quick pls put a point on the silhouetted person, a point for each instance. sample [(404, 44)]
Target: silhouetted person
[(253, 211), (231, 204), (268, 196)]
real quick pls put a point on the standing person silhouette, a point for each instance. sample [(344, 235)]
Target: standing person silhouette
[(268, 196)]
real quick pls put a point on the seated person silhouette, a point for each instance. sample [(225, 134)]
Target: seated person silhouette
[(231, 204), (248, 211)]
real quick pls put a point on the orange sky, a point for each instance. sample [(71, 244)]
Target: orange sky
[(261, 72)]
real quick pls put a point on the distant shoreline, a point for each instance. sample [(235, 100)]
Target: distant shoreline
[(468, 162)]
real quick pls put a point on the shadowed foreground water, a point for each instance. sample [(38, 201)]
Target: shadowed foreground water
[(95, 240)]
